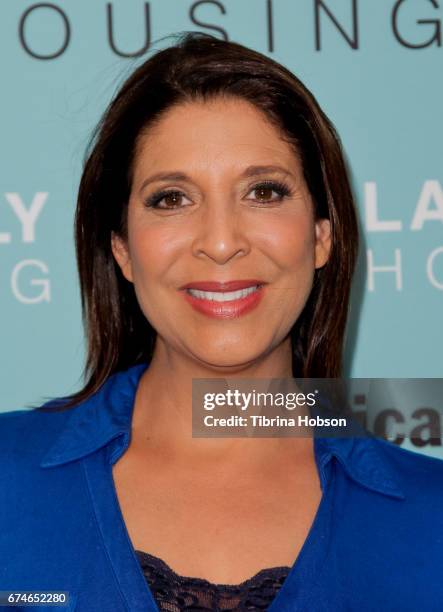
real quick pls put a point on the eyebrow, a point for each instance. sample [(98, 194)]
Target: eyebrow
[(249, 172)]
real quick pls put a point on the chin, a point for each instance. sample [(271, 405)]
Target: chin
[(228, 359)]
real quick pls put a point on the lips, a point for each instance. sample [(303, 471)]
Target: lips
[(225, 300), (222, 286)]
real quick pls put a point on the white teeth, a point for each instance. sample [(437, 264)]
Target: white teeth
[(222, 296)]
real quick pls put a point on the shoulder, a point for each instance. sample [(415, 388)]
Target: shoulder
[(27, 434), (419, 476)]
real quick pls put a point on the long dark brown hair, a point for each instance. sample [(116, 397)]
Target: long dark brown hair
[(201, 67)]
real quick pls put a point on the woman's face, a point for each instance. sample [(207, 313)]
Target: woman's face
[(218, 196)]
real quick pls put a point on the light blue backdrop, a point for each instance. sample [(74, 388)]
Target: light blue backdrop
[(375, 66)]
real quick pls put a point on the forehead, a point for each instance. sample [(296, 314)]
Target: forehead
[(220, 133)]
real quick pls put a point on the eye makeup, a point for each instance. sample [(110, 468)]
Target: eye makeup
[(280, 188)]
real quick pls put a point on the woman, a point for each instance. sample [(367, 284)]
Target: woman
[(216, 236)]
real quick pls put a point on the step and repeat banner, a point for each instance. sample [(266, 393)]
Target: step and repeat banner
[(376, 68)]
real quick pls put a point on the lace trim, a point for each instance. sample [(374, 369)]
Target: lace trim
[(176, 593)]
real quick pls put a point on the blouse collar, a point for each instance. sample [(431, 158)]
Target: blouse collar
[(107, 415)]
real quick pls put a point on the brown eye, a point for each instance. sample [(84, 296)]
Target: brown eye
[(172, 199), (269, 191), (263, 194), (166, 200)]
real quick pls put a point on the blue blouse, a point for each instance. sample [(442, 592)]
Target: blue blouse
[(376, 542)]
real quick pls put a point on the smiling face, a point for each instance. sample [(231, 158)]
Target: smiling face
[(217, 195)]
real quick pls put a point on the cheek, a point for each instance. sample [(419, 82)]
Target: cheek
[(290, 241), (152, 251), (147, 255), (147, 260)]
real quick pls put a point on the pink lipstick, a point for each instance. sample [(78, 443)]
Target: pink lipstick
[(225, 300)]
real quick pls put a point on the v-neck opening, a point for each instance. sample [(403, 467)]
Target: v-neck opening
[(128, 572), (299, 584)]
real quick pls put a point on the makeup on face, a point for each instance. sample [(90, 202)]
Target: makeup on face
[(221, 233), (224, 300)]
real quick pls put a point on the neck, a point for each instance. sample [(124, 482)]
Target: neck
[(162, 416)]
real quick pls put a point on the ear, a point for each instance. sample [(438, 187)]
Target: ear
[(322, 242), (121, 254)]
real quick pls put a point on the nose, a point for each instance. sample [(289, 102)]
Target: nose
[(221, 235)]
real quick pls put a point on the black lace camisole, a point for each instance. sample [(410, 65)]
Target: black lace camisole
[(175, 593)]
